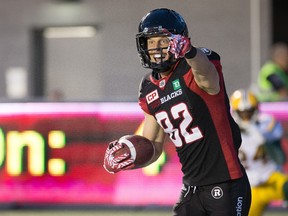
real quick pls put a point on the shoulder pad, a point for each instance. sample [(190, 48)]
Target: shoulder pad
[(210, 53)]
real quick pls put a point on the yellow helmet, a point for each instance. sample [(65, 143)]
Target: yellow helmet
[(242, 100), (244, 106)]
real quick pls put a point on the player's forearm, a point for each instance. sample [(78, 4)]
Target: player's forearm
[(153, 132), (205, 73), (158, 151), (198, 61)]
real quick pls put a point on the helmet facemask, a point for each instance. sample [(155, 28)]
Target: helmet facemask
[(162, 63)]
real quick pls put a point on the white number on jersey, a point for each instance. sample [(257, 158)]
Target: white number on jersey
[(179, 111)]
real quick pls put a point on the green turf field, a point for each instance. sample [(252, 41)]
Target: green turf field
[(100, 213)]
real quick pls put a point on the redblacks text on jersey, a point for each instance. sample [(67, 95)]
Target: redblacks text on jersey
[(200, 125)]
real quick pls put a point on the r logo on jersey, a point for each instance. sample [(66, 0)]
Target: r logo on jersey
[(217, 192), (152, 96)]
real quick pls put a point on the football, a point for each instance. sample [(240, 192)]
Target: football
[(140, 148)]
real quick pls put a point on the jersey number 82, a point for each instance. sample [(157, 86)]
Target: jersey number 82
[(179, 111)]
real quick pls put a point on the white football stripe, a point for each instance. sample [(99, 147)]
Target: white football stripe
[(130, 145)]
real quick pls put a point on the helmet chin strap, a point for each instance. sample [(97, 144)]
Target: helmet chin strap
[(164, 66)]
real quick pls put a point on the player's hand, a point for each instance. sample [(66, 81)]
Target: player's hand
[(179, 45), (114, 164)]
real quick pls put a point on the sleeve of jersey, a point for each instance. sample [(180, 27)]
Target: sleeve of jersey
[(141, 97), (214, 59)]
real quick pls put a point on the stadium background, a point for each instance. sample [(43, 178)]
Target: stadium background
[(91, 68), (53, 90)]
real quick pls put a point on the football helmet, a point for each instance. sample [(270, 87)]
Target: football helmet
[(157, 23), (244, 105)]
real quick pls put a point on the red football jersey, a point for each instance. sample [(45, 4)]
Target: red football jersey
[(200, 125)]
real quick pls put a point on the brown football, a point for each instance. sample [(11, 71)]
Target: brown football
[(139, 147)]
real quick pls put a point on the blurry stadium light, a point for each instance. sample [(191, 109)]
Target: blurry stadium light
[(70, 32)]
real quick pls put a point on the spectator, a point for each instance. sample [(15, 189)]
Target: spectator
[(273, 77)]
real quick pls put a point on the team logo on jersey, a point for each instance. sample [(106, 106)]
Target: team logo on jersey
[(162, 83), (206, 51), (171, 96), (152, 96), (176, 84), (217, 192)]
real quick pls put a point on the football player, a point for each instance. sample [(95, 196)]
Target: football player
[(184, 97), (260, 151)]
